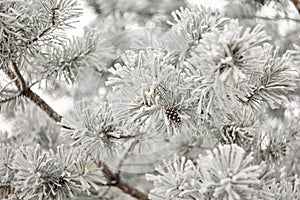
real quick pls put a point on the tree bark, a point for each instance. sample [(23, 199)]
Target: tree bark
[(297, 5), (130, 190), (42, 104)]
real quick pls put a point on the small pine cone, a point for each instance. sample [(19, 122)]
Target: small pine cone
[(172, 114)]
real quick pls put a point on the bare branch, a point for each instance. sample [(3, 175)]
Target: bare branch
[(42, 104), (20, 77), (270, 18), (126, 188), (297, 5), (7, 99), (6, 190), (46, 30), (129, 150), (12, 76), (115, 181)]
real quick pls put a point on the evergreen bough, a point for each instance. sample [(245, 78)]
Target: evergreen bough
[(203, 90)]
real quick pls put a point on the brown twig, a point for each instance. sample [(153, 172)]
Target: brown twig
[(42, 104), (269, 18), (7, 99), (19, 76), (6, 190), (297, 5), (126, 188), (115, 181), (27, 92), (46, 30), (5, 186), (129, 150)]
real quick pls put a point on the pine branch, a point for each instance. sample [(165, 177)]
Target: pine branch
[(115, 181), (42, 104), (269, 18), (7, 99), (7, 189), (27, 92), (20, 77), (297, 5), (129, 150), (46, 30), (126, 188), (5, 186), (113, 178), (253, 94)]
